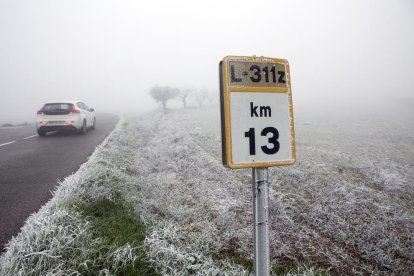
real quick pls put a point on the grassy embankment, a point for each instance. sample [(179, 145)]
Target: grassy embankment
[(87, 228), (344, 208)]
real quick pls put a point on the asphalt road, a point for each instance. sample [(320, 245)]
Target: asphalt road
[(30, 167)]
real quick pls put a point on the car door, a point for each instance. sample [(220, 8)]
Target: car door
[(83, 111), (89, 115)]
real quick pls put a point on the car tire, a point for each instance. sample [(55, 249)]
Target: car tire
[(41, 133), (94, 123), (83, 130)]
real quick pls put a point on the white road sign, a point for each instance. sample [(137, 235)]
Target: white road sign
[(257, 114)]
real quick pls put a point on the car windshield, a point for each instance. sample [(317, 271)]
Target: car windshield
[(57, 108)]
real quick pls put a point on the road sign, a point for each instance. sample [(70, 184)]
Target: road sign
[(256, 112)]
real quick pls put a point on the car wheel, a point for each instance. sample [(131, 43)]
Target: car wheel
[(83, 130), (94, 123), (41, 133)]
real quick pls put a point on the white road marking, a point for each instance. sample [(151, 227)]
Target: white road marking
[(7, 143), (30, 137), (10, 127)]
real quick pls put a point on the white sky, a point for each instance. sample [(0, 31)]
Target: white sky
[(109, 53)]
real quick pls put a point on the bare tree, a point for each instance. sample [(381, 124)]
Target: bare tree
[(162, 94), (184, 93), (200, 96)]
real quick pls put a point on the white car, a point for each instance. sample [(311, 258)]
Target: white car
[(65, 115)]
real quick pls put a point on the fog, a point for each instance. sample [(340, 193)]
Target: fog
[(345, 55)]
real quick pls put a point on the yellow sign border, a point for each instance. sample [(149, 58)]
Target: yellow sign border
[(227, 89)]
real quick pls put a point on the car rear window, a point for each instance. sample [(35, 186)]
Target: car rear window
[(57, 108)]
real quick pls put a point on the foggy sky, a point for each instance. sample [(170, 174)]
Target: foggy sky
[(110, 53)]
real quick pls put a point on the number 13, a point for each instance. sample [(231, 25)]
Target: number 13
[(272, 140)]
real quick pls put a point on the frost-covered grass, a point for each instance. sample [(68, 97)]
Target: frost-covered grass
[(87, 228), (345, 208)]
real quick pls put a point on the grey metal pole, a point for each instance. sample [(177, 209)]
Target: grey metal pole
[(260, 181)]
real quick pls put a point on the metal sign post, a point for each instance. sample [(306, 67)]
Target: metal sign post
[(260, 181), (257, 131)]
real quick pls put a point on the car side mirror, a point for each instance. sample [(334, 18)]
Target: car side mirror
[(91, 109)]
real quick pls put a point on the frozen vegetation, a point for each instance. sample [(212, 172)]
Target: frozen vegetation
[(345, 208)]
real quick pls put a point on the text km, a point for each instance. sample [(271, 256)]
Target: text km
[(260, 111)]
